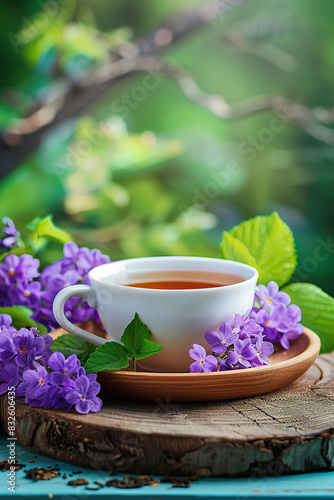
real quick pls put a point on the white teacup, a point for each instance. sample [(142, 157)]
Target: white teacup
[(177, 318)]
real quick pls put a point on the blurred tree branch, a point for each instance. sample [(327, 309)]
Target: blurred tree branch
[(73, 97), (265, 51), (307, 118)]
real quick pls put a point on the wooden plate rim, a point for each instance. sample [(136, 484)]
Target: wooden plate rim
[(310, 352)]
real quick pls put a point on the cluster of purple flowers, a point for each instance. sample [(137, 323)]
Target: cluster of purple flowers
[(16, 281), (279, 319), (238, 345), (69, 270), (26, 360), (22, 284), (247, 341), (44, 377)]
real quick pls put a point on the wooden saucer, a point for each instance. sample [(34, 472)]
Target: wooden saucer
[(286, 366)]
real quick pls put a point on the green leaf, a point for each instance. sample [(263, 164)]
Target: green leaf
[(135, 333), (43, 230), (147, 348), (136, 338), (317, 311), (265, 243), (68, 344), (86, 355), (21, 318), (109, 356)]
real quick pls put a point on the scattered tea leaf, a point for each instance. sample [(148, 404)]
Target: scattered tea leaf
[(99, 484), (177, 482), (42, 473), (78, 482), (266, 243), (130, 482), (317, 311)]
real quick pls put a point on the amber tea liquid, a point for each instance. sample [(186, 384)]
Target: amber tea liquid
[(183, 280)]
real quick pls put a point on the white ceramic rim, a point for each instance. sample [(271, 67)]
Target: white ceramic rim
[(99, 274)]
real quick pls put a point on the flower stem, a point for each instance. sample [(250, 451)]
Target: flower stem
[(134, 365)]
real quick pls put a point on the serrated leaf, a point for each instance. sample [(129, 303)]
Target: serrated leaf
[(21, 318), (135, 333), (232, 247), (147, 348), (266, 243), (136, 338), (68, 344), (87, 353), (109, 356), (317, 311)]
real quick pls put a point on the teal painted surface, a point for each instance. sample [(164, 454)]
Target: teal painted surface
[(302, 486)]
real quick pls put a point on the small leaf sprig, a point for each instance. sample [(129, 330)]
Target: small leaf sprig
[(135, 344)]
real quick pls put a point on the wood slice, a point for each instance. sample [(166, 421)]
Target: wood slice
[(291, 430)]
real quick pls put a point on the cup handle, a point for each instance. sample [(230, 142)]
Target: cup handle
[(87, 293)]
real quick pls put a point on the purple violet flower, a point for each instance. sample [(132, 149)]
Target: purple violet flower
[(270, 320), (20, 344), (63, 369), (6, 323), (222, 339), (245, 352), (10, 232), (37, 387), (203, 362), (270, 295), (245, 326), (11, 375), (263, 351), (289, 327), (229, 362), (82, 259), (25, 294), (15, 269), (84, 395), (76, 257), (59, 281), (239, 320)]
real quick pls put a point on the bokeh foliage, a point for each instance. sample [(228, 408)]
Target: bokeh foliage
[(165, 176)]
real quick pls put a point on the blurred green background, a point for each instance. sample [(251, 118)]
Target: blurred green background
[(160, 174)]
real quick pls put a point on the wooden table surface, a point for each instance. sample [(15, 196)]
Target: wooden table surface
[(301, 486), (291, 430)]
